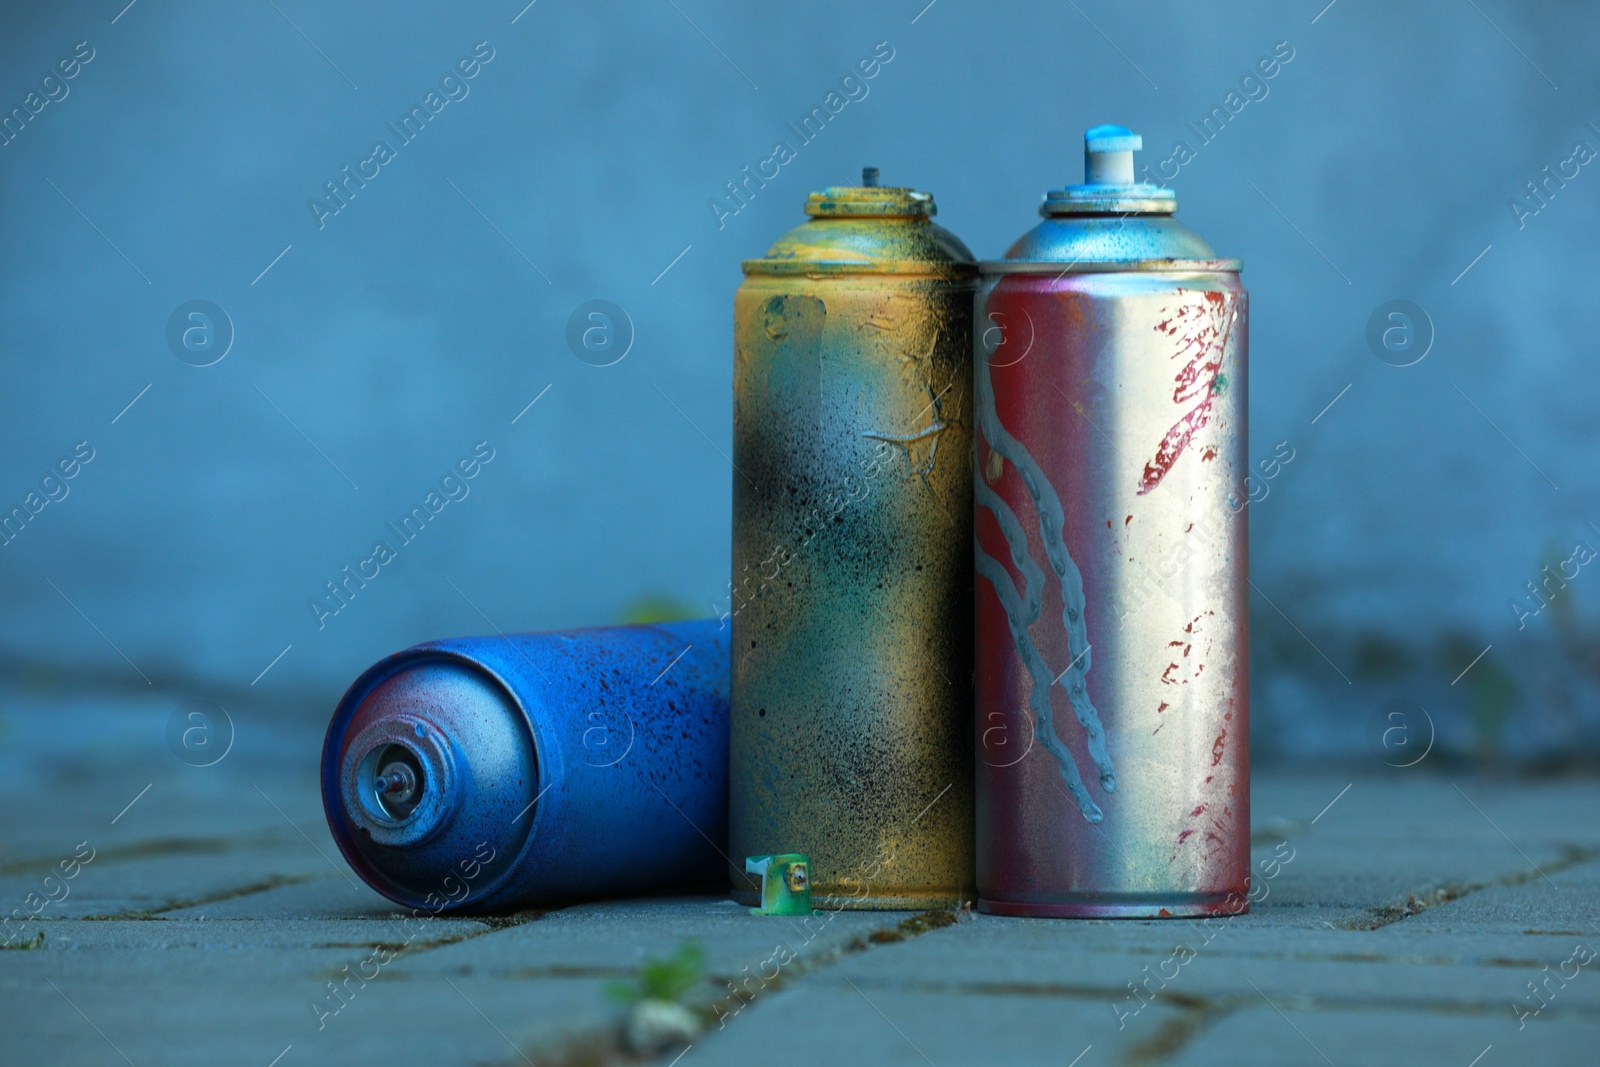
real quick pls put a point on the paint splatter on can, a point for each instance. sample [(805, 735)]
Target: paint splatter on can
[(1112, 653), (852, 572), (486, 772)]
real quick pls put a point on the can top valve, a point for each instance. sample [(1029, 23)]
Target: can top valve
[(1109, 221), (869, 228), (1108, 185)]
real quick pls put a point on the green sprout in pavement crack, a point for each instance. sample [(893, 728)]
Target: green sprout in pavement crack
[(663, 979), (656, 1020), (26, 944)]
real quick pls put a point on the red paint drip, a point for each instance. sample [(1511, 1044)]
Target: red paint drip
[(1199, 329), (1164, 706)]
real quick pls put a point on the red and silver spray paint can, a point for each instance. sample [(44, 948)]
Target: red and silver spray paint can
[(1112, 640)]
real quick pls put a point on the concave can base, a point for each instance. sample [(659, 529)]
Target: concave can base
[(1188, 908)]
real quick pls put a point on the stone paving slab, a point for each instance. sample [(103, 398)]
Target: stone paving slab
[(1326, 975), (1407, 928), (214, 1006), (834, 1023), (165, 876), (1368, 1037)]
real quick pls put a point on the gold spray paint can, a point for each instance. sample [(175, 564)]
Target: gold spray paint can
[(851, 600)]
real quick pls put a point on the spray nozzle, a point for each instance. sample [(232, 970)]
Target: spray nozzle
[(1108, 155)]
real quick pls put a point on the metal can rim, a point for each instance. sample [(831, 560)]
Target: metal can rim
[(1108, 205), (1112, 266), (903, 267)]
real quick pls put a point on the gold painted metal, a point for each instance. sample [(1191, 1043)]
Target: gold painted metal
[(852, 554)]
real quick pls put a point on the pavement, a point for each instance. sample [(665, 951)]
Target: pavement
[(201, 915)]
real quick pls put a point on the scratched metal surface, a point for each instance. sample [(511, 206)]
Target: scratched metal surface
[(1112, 662), (852, 566)]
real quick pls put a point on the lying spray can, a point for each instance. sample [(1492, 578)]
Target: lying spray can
[(486, 772), (852, 575), (1111, 566)]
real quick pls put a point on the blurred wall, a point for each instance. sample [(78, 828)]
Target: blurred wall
[(380, 338)]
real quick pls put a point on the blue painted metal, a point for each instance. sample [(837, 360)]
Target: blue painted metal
[(535, 768)]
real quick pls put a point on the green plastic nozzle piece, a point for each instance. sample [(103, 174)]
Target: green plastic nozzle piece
[(785, 883)]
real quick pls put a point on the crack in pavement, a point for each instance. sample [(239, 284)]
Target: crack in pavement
[(1196, 1014), (1177, 1033), (276, 881), (604, 1048), (1187, 1001), (158, 846), (490, 924), (1381, 915)]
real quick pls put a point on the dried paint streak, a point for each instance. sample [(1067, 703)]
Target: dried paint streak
[(1203, 330), (1047, 507)]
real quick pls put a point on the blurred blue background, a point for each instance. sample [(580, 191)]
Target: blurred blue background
[(374, 347)]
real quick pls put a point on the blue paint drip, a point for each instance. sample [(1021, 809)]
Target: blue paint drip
[(1051, 527), (1019, 616)]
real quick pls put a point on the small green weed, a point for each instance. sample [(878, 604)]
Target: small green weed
[(663, 979)]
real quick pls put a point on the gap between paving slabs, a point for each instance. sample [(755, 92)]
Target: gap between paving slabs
[(276, 881), (146, 849), (1201, 1013), (404, 950), (1197, 1014), (604, 1048), (488, 923), (1387, 914), (1168, 1040)]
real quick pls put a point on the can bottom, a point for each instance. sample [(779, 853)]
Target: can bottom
[(823, 901), (1151, 906)]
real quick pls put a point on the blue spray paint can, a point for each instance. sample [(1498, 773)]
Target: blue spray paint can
[(487, 772)]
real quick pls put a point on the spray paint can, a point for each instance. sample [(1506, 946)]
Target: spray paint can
[(1112, 653), (486, 772), (852, 572)]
